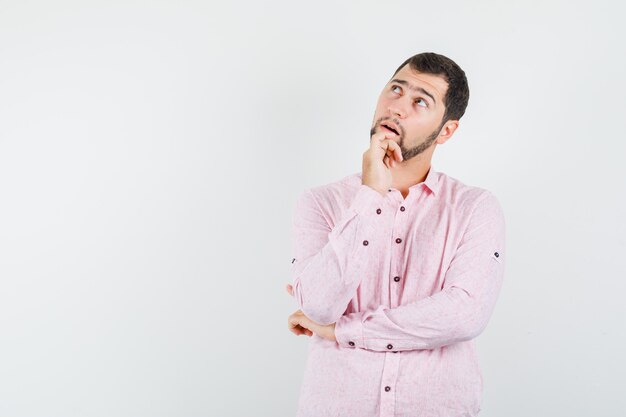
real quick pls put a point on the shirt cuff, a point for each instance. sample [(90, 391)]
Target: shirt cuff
[(349, 331)]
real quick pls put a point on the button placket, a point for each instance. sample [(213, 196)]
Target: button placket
[(388, 384), (399, 229)]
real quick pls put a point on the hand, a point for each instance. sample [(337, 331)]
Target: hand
[(299, 324), (290, 289), (378, 161)]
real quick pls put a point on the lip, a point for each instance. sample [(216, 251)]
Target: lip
[(382, 126)]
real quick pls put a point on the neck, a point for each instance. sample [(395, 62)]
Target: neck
[(408, 173)]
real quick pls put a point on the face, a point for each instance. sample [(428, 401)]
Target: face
[(412, 104)]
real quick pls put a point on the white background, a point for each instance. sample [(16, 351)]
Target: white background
[(151, 153)]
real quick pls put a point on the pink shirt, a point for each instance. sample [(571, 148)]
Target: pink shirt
[(409, 282)]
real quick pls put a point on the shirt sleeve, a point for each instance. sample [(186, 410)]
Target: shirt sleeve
[(328, 263), (459, 312)]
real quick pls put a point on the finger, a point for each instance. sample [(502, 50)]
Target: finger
[(387, 147), (391, 157), (392, 148), (380, 136), (292, 322), (290, 289), (299, 330), (297, 324), (386, 161), (397, 151), (380, 144), (294, 326)]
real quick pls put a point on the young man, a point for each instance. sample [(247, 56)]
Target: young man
[(396, 269)]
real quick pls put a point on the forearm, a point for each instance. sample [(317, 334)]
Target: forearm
[(450, 316), (328, 267)]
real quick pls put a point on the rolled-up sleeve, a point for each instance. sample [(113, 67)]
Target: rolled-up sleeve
[(328, 263), (459, 312)]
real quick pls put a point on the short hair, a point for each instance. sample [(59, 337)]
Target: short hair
[(457, 94)]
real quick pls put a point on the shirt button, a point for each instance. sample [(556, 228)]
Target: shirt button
[(351, 343), (402, 208), (396, 279), (497, 254), (365, 243), (378, 211), (389, 346), (387, 388), (398, 240)]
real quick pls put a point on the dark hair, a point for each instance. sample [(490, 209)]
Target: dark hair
[(457, 94)]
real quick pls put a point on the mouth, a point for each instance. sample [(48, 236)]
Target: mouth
[(389, 129)]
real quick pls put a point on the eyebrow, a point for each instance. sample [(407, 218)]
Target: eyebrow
[(414, 88)]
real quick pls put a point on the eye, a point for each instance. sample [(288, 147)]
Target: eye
[(421, 99), (393, 87)]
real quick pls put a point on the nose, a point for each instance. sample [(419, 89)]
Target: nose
[(396, 110)]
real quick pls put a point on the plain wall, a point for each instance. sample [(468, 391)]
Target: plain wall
[(151, 153)]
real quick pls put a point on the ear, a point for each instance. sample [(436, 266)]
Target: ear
[(446, 131)]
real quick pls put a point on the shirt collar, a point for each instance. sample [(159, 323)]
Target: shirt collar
[(431, 181)]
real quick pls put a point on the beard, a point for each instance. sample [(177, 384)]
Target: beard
[(408, 153)]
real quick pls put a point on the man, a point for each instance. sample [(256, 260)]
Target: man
[(397, 269)]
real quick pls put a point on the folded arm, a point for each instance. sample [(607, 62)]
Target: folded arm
[(459, 312)]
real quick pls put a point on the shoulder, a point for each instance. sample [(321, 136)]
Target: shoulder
[(478, 212), (456, 192), (327, 202), (333, 193)]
